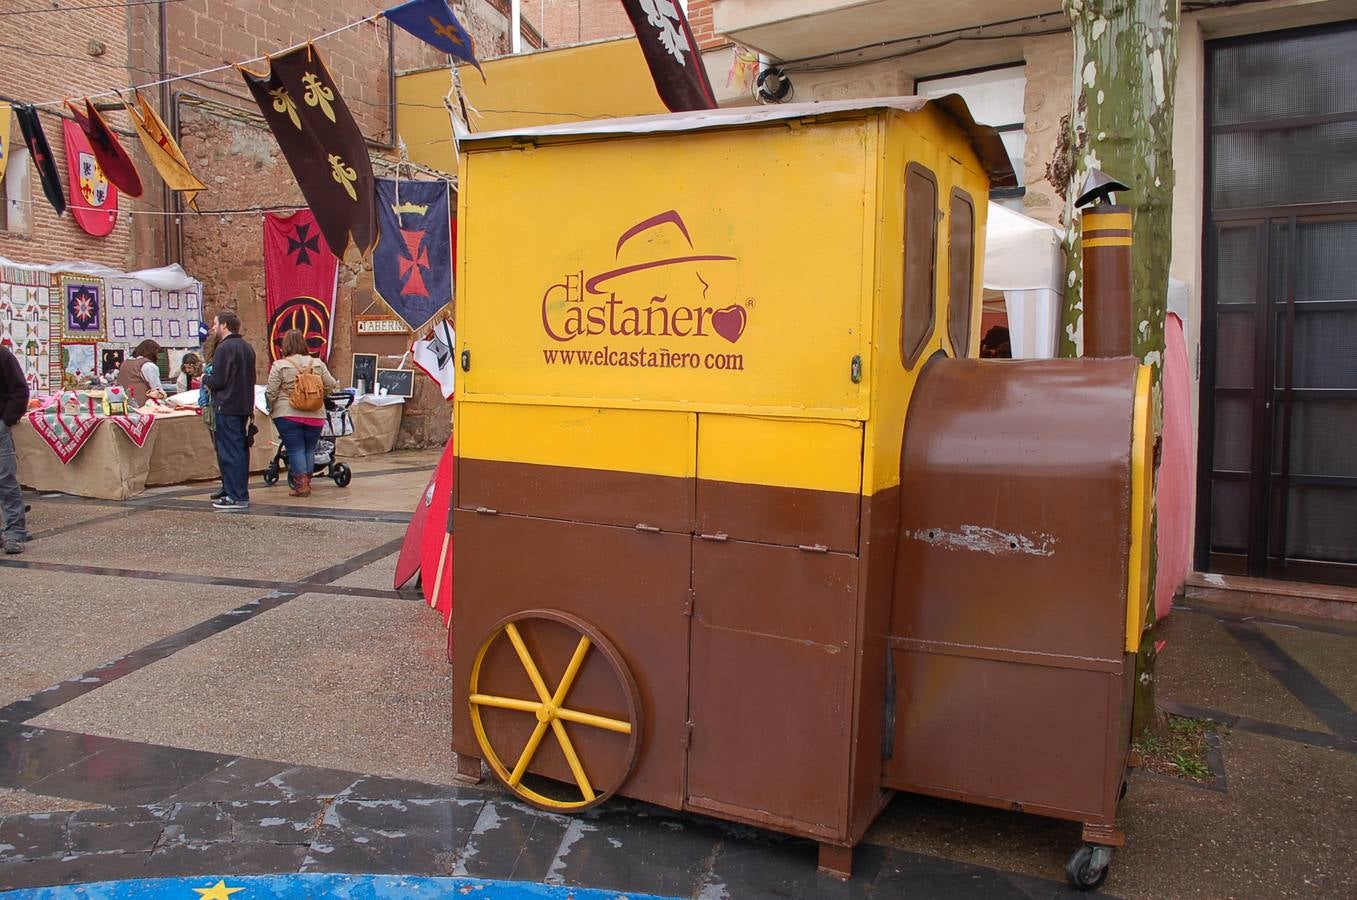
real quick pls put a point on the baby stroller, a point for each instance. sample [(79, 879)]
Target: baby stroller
[(337, 425)]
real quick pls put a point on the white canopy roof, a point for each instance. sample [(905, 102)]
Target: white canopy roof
[(1022, 253), (167, 278)]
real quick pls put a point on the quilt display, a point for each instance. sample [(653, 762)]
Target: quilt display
[(68, 423), (137, 311), (82, 309), (26, 325)]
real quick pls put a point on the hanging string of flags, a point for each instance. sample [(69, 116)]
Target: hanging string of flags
[(300, 103), (409, 227)]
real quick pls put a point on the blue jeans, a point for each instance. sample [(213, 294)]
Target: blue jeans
[(300, 442), (11, 497), (233, 457)]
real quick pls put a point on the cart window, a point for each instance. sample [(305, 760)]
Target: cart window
[(920, 254), (960, 271)]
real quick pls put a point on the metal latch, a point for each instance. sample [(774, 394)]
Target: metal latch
[(813, 548), (485, 510), (719, 536), (650, 529)]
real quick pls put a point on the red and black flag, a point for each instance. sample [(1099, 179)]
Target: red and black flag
[(300, 277), (36, 142), (673, 56), (322, 144), (117, 166)]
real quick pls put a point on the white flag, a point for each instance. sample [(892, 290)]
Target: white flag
[(435, 357)]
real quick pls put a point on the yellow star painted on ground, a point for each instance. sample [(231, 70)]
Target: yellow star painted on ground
[(218, 891)]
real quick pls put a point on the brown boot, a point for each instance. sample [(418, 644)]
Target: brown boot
[(303, 488)]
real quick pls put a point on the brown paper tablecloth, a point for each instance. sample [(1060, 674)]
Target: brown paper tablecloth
[(184, 450), (374, 430), (109, 466)]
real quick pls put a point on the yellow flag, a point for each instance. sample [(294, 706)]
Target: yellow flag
[(4, 137), (165, 154)]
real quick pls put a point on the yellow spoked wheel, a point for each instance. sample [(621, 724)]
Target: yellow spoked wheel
[(543, 671)]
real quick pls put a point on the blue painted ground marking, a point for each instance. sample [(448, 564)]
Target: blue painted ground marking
[(305, 887)]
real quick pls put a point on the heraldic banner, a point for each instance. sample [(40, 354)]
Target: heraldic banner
[(322, 145), (300, 274), (94, 202), (412, 266), (671, 53)]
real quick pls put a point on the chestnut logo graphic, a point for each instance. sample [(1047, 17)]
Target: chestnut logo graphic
[(654, 290), (729, 322)]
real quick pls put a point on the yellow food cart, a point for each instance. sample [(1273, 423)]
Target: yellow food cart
[(739, 530)]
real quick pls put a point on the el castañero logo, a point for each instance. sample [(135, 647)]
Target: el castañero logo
[(610, 305)]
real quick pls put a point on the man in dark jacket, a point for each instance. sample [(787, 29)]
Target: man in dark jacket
[(232, 386), (13, 405)]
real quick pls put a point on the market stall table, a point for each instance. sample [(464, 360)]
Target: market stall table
[(177, 450)]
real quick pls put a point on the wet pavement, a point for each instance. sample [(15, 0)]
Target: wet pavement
[(186, 693)]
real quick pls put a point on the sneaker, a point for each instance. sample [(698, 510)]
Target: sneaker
[(217, 494), (13, 546), (226, 504)]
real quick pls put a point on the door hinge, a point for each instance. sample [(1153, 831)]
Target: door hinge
[(719, 536), (649, 529), (688, 603), (687, 738), (487, 511), (813, 548)]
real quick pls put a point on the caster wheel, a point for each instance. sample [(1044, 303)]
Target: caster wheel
[(271, 475), (1087, 868), (562, 742), (343, 475)]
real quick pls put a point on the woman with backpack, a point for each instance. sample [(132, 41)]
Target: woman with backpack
[(295, 397)]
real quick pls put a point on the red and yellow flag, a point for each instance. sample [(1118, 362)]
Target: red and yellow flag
[(165, 154)]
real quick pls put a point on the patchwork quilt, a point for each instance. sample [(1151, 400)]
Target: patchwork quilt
[(67, 424)]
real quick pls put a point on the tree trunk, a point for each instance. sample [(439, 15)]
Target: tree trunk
[(1125, 65)]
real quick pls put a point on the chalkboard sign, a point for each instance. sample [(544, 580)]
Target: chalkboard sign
[(396, 382), (365, 370)]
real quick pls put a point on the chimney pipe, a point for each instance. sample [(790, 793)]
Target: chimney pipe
[(1106, 248)]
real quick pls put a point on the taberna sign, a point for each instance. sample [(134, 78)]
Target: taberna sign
[(381, 325)]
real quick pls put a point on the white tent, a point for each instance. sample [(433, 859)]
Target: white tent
[(1025, 269)]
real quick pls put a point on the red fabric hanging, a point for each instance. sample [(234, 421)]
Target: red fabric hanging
[(300, 275)]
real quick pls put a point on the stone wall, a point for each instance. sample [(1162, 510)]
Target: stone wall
[(1050, 89)]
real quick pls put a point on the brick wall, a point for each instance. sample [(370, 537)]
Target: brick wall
[(565, 22), (224, 140), (49, 55), (700, 20)]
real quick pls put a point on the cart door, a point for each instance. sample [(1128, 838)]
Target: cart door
[(775, 602)]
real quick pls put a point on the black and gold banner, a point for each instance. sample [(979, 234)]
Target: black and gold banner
[(322, 145)]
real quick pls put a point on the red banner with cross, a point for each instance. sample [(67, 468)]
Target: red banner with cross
[(300, 274)]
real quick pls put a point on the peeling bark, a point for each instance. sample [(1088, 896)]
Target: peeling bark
[(1121, 121)]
